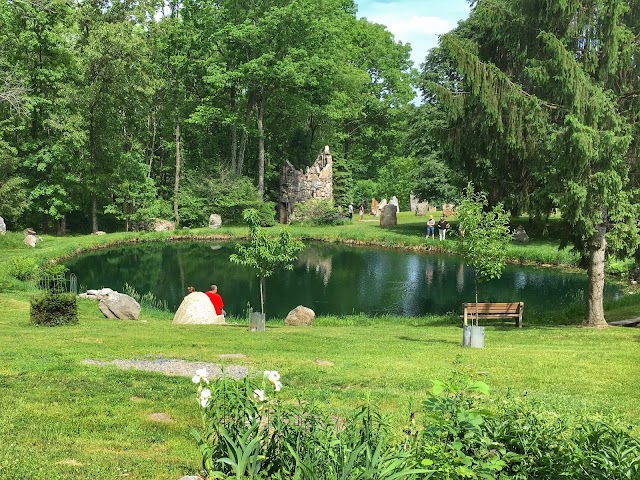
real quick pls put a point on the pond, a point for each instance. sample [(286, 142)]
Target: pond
[(331, 279)]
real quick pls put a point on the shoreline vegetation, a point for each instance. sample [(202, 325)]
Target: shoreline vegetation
[(71, 420)]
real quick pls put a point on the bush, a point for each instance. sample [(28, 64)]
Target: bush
[(231, 211), (315, 212), (23, 268), (54, 309)]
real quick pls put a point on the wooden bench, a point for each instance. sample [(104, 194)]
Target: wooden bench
[(493, 310)]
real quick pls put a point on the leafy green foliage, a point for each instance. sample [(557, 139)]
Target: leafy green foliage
[(315, 211), (23, 268), (54, 309), (485, 235), (248, 433), (148, 300), (468, 436), (265, 254)]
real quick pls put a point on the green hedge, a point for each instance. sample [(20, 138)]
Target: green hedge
[(54, 309), (231, 212)]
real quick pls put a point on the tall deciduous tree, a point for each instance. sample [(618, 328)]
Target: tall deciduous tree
[(540, 99)]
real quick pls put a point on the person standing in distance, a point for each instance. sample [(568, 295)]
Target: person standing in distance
[(216, 299), (442, 227)]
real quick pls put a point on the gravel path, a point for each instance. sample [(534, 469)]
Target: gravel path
[(171, 366)]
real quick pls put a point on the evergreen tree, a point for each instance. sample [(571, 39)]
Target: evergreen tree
[(539, 103)]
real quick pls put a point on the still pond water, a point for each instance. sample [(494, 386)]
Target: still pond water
[(330, 279)]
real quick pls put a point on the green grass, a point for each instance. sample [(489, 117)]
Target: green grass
[(70, 420), (62, 419)]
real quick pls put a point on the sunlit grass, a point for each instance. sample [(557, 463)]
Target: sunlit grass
[(70, 420)]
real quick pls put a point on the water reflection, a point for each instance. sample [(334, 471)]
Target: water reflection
[(331, 279)]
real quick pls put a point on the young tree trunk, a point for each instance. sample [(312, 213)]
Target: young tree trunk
[(176, 185), (259, 116), (262, 296), (475, 283), (597, 248)]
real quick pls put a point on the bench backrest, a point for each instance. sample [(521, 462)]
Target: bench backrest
[(493, 308)]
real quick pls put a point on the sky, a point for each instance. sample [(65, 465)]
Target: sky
[(418, 22)]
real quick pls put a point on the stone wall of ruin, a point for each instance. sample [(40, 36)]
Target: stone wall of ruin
[(297, 186)]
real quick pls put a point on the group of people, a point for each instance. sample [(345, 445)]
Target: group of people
[(443, 225), (350, 211), (215, 298)]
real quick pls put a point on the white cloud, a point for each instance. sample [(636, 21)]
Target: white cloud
[(401, 26), (418, 22)]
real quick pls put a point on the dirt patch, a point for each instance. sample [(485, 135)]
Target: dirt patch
[(175, 367), (160, 417), (324, 363)]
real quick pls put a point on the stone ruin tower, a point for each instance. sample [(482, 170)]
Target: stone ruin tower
[(297, 186)]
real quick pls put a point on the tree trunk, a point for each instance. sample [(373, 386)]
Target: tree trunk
[(259, 116), (597, 248), (475, 284), (61, 226), (94, 213), (262, 296), (154, 123), (245, 135), (234, 133), (176, 185)]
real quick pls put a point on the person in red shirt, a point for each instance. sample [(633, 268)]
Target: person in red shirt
[(216, 299)]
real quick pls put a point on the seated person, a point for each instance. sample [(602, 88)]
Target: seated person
[(216, 299)]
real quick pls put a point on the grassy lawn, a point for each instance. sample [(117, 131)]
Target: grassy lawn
[(63, 419)]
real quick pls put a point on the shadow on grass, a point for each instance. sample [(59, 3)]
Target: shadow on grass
[(427, 340)]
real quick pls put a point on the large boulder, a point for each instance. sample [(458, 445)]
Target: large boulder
[(448, 209), (215, 220), (197, 309), (394, 201), (160, 225), (119, 306), (31, 240), (3, 226), (520, 235), (300, 317), (388, 217), (374, 206), (422, 208)]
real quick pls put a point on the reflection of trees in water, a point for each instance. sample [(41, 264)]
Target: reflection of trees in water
[(313, 260), (460, 278), (428, 273)]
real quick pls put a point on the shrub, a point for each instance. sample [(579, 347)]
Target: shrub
[(315, 212), (23, 268), (468, 436), (54, 309), (231, 211)]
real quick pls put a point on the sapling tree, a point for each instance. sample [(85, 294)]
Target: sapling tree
[(485, 237), (265, 255)]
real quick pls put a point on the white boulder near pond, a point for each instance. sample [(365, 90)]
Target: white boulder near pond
[(119, 306), (197, 309), (113, 304), (300, 317)]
